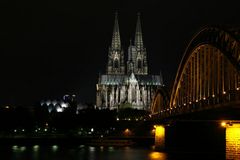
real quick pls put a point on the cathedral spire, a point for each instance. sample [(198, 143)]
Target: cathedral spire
[(116, 42), (116, 63), (138, 34)]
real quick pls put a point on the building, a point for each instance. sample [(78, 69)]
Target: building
[(127, 84)]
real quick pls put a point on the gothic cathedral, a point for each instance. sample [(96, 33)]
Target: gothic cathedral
[(127, 84)]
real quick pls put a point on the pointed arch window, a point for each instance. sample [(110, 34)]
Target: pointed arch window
[(139, 63), (116, 63)]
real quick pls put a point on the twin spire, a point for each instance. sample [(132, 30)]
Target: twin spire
[(116, 41), (137, 57)]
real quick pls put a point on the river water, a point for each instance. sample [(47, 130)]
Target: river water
[(81, 152)]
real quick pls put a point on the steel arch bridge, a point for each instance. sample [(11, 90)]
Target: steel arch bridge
[(208, 76)]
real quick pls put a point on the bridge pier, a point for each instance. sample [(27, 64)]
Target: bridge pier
[(232, 140), (159, 137)]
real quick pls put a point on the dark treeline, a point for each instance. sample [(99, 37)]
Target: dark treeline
[(38, 120)]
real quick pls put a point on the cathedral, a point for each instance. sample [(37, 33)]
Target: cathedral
[(127, 84)]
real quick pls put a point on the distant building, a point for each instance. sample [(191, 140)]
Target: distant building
[(59, 105), (127, 84)]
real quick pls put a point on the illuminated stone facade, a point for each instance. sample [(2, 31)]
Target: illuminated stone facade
[(233, 141), (127, 84)]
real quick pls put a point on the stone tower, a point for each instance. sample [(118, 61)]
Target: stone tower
[(137, 55), (115, 53)]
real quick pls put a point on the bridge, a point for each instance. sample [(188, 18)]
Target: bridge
[(207, 81)]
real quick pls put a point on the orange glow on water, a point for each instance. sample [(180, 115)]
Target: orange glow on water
[(127, 132), (157, 156), (160, 131), (160, 136)]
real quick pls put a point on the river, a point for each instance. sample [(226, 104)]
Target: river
[(82, 152)]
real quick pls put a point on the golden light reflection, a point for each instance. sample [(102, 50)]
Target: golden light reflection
[(233, 141), (127, 132), (159, 136), (160, 131), (157, 155)]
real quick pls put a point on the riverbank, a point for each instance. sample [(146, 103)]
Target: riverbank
[(70, 140)]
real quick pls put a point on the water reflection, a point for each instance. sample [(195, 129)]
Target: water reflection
[(91, 149), (157, 155), (54, 148), (23, 148), (62, 152), (110, 149), (14, 148), (35, 153), (35, 148), (101, 148)]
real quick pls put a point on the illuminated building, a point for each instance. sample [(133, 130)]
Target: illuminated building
[(127, 84), (59, 105)]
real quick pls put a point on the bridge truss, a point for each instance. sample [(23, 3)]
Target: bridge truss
[(208, 75)]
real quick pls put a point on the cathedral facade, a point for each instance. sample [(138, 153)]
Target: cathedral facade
[(127, 84)]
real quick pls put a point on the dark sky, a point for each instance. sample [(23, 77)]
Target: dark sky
[(51, 48)]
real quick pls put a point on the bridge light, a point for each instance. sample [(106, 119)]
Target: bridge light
[(126, 132), (224, 92), (223, 124)]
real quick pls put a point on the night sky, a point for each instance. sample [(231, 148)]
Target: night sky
[(52, 48)]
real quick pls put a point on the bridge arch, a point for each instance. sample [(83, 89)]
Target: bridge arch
[(160, 101), (208, 74)]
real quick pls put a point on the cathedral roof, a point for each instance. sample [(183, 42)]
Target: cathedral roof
[(149, 79), (123, 79)]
